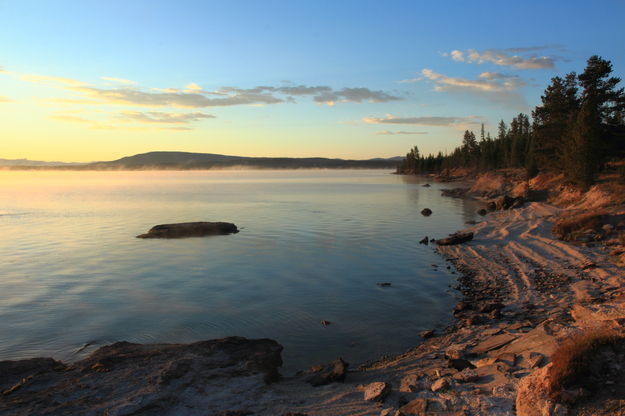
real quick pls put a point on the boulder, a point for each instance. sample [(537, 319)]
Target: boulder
[(425, 241), (482, 212), (335, 371), (457, 238), (426, 212), (126, 378), (532, 398), (377, 391), (190, 229), (411, 383)]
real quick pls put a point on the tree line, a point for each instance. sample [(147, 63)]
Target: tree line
[(577, 129)]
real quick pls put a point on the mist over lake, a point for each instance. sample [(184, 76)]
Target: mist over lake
[(313, 246)]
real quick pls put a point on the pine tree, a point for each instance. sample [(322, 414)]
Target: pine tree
[(606, 105), (582, 158), (552, 121)]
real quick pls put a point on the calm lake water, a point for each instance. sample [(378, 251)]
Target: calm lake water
[(312, 246)]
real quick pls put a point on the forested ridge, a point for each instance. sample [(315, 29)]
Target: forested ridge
[(577, 129)]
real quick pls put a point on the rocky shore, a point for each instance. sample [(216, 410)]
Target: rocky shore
[(524, 291)]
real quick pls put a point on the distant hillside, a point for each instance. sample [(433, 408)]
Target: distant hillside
[(26, 162), (185, 160)]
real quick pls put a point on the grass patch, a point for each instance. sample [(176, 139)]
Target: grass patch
[(577, 362)]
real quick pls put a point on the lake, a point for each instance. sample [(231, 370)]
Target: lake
[(313, 246)]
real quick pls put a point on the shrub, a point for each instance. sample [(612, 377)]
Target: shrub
[(573, 359)]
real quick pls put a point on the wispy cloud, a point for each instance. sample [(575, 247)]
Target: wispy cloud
[(161, 117), (119, 80), (400, 132), (488, 82), (492, 86), (457, 55), (108, 124), (437, 121), (54, 81), (194, 96), (506, 57)]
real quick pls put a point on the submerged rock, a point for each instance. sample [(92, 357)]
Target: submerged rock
[(190, 229)]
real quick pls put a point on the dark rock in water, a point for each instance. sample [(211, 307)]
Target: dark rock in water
[(492, 206), (325, 323), (432, 240), (384, 284), (426, 334), (482, 212), (426, 212), (457, 238), (190, 229), (126, 378), (427, 185), (328, 373), (425, 241)]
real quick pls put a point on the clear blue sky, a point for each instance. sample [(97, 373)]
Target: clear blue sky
[(95, 80)]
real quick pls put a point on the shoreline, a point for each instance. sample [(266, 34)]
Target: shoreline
[(523, 291)]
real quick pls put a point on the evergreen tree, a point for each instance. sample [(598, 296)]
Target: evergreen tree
[(552, 121), (606, 105), (582, 159)]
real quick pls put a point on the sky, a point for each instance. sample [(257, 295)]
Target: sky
[(98, 80)]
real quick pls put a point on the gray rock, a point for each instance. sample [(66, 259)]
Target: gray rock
[(190, 229)]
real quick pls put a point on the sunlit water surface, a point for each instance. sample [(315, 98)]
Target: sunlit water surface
[(312, 246)]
